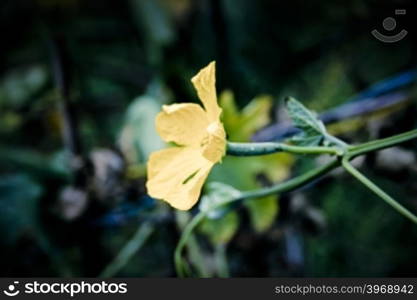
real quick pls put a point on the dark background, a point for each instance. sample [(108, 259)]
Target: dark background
[(75, 74)]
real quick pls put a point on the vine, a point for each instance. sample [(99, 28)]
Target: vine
[(313, 140)]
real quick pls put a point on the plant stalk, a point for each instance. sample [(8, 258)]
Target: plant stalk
[(253, 149)]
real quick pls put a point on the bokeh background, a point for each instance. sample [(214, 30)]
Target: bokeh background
[(82, 80)]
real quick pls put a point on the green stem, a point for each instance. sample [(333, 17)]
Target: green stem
[(127, 252), (382, 143), (373, 187), (279, 188), (197, 257), (183, 241), (194, 251), (221, 261), (288, 185), (252, 149)]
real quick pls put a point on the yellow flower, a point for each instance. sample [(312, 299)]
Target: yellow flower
[(177, 174)]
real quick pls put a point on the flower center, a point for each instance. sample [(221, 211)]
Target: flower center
[(214, 142)]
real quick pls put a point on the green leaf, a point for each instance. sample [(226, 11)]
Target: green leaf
[(18, 85), (218, 193), (138, 137), (263, 212), (303, 118), (240, 126), (221, 225), (230, 113), (313, 130), (221, 231), (35, 163), (304, 140)]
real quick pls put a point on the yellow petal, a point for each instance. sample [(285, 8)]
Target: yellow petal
[(177, 175), (186, 197), (184, 124), (205, 85), (158, 160)]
